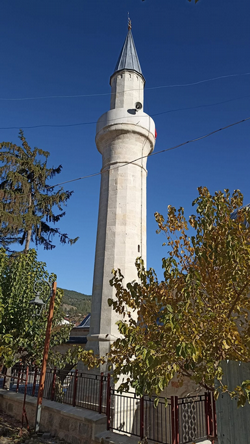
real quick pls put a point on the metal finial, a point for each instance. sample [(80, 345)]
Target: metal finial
[(129, 23)]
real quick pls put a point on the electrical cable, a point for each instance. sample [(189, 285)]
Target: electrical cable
[(155, 153), (119, 118), (107, 94), (51, 187)]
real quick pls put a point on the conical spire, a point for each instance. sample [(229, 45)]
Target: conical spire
[(128, 58)]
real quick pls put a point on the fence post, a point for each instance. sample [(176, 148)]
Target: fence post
[(142, 417), (173, 434), (75, 388), (53, 385), (177, 434), (175, 420), (34, 382), (210, 418), (4, 378), (101, 393), (22, 373), (24, 414), (210, 415), (18, 378), (214, 417), (108, 402), (207, 414)]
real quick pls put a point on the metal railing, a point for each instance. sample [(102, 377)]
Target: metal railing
[(12, 382), (138, 416), (172, 421), (76, 388), (193, 418), (21, 379)]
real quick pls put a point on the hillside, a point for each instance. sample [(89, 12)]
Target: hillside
[(75, 305)]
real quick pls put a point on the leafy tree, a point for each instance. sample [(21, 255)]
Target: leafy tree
[(198, 315), (22, 333), (26, 201)]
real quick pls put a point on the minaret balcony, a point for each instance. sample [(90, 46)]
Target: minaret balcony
[(126, 118)]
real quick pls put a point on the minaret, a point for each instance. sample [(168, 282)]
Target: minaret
[(125, 136)]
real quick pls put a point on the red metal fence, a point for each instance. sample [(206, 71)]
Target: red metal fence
[(14, 379), (179, 421)]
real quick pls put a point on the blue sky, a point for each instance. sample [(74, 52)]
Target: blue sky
[(67, 48)]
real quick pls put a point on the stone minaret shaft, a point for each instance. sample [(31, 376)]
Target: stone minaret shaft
[(123, 134)]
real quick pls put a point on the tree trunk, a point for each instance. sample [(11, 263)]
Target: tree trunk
[(8, 378), (27, 242), (28, 237)]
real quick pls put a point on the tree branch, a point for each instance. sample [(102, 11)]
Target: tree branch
[(237, 298)]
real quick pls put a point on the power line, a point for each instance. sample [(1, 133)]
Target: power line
[(48, 125), (155, 153), (66, 125), (201, 106), (181, 85), (152, 154), (201, 81)]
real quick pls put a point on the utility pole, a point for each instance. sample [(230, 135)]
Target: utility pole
[(45, 358)]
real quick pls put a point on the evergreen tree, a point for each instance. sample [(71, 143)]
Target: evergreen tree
[(27, 203)]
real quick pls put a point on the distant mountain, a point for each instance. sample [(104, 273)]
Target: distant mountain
[(76, 305)]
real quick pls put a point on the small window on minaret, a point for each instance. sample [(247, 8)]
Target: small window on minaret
[(139, 248)]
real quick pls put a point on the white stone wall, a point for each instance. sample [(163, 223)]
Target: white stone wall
[(123, 136), (127, 88), (121, 235), (123, 116)]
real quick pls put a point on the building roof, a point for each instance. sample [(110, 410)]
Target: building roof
[(85, 322), (128, 58)]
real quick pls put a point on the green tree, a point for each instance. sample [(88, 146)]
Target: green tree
[(198, 315), (22, 333), (26, 202)]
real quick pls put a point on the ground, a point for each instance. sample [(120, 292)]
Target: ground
[(10, 432)]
